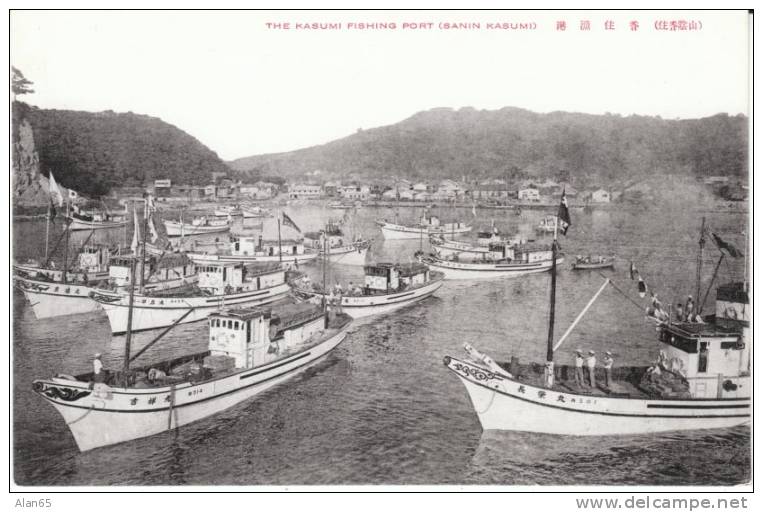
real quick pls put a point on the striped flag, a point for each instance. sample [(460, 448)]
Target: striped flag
[(288, 222)]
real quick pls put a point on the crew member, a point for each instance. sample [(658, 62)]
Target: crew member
[(579, 368), (680, 313), (690, 309), (99, 375), (591, 363), (608, 362)]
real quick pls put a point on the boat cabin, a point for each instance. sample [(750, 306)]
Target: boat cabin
[(530, 253), (170, 267), (714, 357), (256, 246), (94, 258), (249, 337), (395, 276), (221, 278)]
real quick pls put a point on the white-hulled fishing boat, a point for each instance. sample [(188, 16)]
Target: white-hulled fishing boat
[(199, 226), (227, 211), (428, 225), (253, 249), (93, 266), (79, 221), (331, 241), (387, 287), (500, 261), (255, 212), (701, 379), (487, 242), (219, 284), (250, 350)]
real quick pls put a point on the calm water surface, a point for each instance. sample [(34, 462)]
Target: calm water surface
[(382, 409)]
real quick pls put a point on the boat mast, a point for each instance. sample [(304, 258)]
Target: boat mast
[(128, 333), (551, 313), (66, 244), (143, 254), (699, 257), (47, 231), (280, 252)]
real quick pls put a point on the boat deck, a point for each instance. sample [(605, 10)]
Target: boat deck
[(627, 381)]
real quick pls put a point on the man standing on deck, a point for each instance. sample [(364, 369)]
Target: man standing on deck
[(591, 363), (608, 362), (98, 373), (579, 368)]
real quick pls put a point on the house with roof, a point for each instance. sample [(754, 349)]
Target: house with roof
[(304, 191), (600, 196), (528, 194)]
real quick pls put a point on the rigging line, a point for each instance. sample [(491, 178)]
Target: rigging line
[(639, 306)]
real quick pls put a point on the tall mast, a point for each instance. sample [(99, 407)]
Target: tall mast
[(280, 253), (699, 257), (143, 254), (128, 334), (47, 231), (66, 246), (552, 309)]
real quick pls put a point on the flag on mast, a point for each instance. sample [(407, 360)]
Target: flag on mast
[(54, 190), (152, 229), (564, 214), (288, 222), (726, 246)]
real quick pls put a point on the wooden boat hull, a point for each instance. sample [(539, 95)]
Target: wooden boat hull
[(592, 266), (150, 312), (287, 260), (116, 415), (57, 275), (368, 305), (399, 232), (459, 270), (82, 225), (505, 404), (347, 255), (176, 229), (50, 300)]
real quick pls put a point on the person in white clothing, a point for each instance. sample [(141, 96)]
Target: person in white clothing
[(591, 363), (608, 363), (579, 380), (98, 373)]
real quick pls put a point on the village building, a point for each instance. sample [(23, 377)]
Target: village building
[(304, 191), (528, 194), (600, 196)]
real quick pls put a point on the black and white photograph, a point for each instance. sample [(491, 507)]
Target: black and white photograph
[(337, 249)]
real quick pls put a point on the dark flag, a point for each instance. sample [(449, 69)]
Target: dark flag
[(564, 214), (726, 246), (641, 288), (288, 222)]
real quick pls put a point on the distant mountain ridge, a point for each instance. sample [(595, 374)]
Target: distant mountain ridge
[(95, 152), (517, 143)]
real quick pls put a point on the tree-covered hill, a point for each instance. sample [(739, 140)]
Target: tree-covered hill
[(518, 143), (94, 152)]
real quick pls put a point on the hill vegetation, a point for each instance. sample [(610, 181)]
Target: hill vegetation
[(514, 143), (94, 152)]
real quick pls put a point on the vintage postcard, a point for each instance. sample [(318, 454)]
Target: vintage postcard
[(453, 249)]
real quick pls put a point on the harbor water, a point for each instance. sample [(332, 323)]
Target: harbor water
[(382, 408)]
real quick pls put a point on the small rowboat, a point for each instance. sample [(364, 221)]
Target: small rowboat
[(589, 265)]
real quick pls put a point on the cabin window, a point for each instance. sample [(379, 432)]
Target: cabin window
[(248, 331), (225, 273), (236, 246), (294, 250), (729, 345), (702, 361), (235, 326), (258, 283)]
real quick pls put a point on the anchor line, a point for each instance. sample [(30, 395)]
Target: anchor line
[(490, 404), (92, 408), (639, 306)]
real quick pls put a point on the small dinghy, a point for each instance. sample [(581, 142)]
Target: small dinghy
[(589, 263)]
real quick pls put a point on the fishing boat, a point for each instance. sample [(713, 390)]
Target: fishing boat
[(546, 225), (331, 241), (387, 287), (428, 225), (701, 379), (255, 212), (227, 211), (199, 226), (501, 260), (249, 351), (219, 284), (338, 205), (593, 262), (81, 221), (254, 249), (487, 242), (92, 266)]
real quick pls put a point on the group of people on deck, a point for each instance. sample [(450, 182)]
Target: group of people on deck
[(590, 364), (682, 313)]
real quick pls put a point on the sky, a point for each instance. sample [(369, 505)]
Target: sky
[(243, 88)]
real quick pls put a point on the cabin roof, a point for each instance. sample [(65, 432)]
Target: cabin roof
[(693, 330), (733, 292)]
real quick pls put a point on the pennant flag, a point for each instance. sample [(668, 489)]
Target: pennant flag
[(54, 191), (288, 222), (641, 288), (634, 272), (564, 214), (726, 246), (135, 233)]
